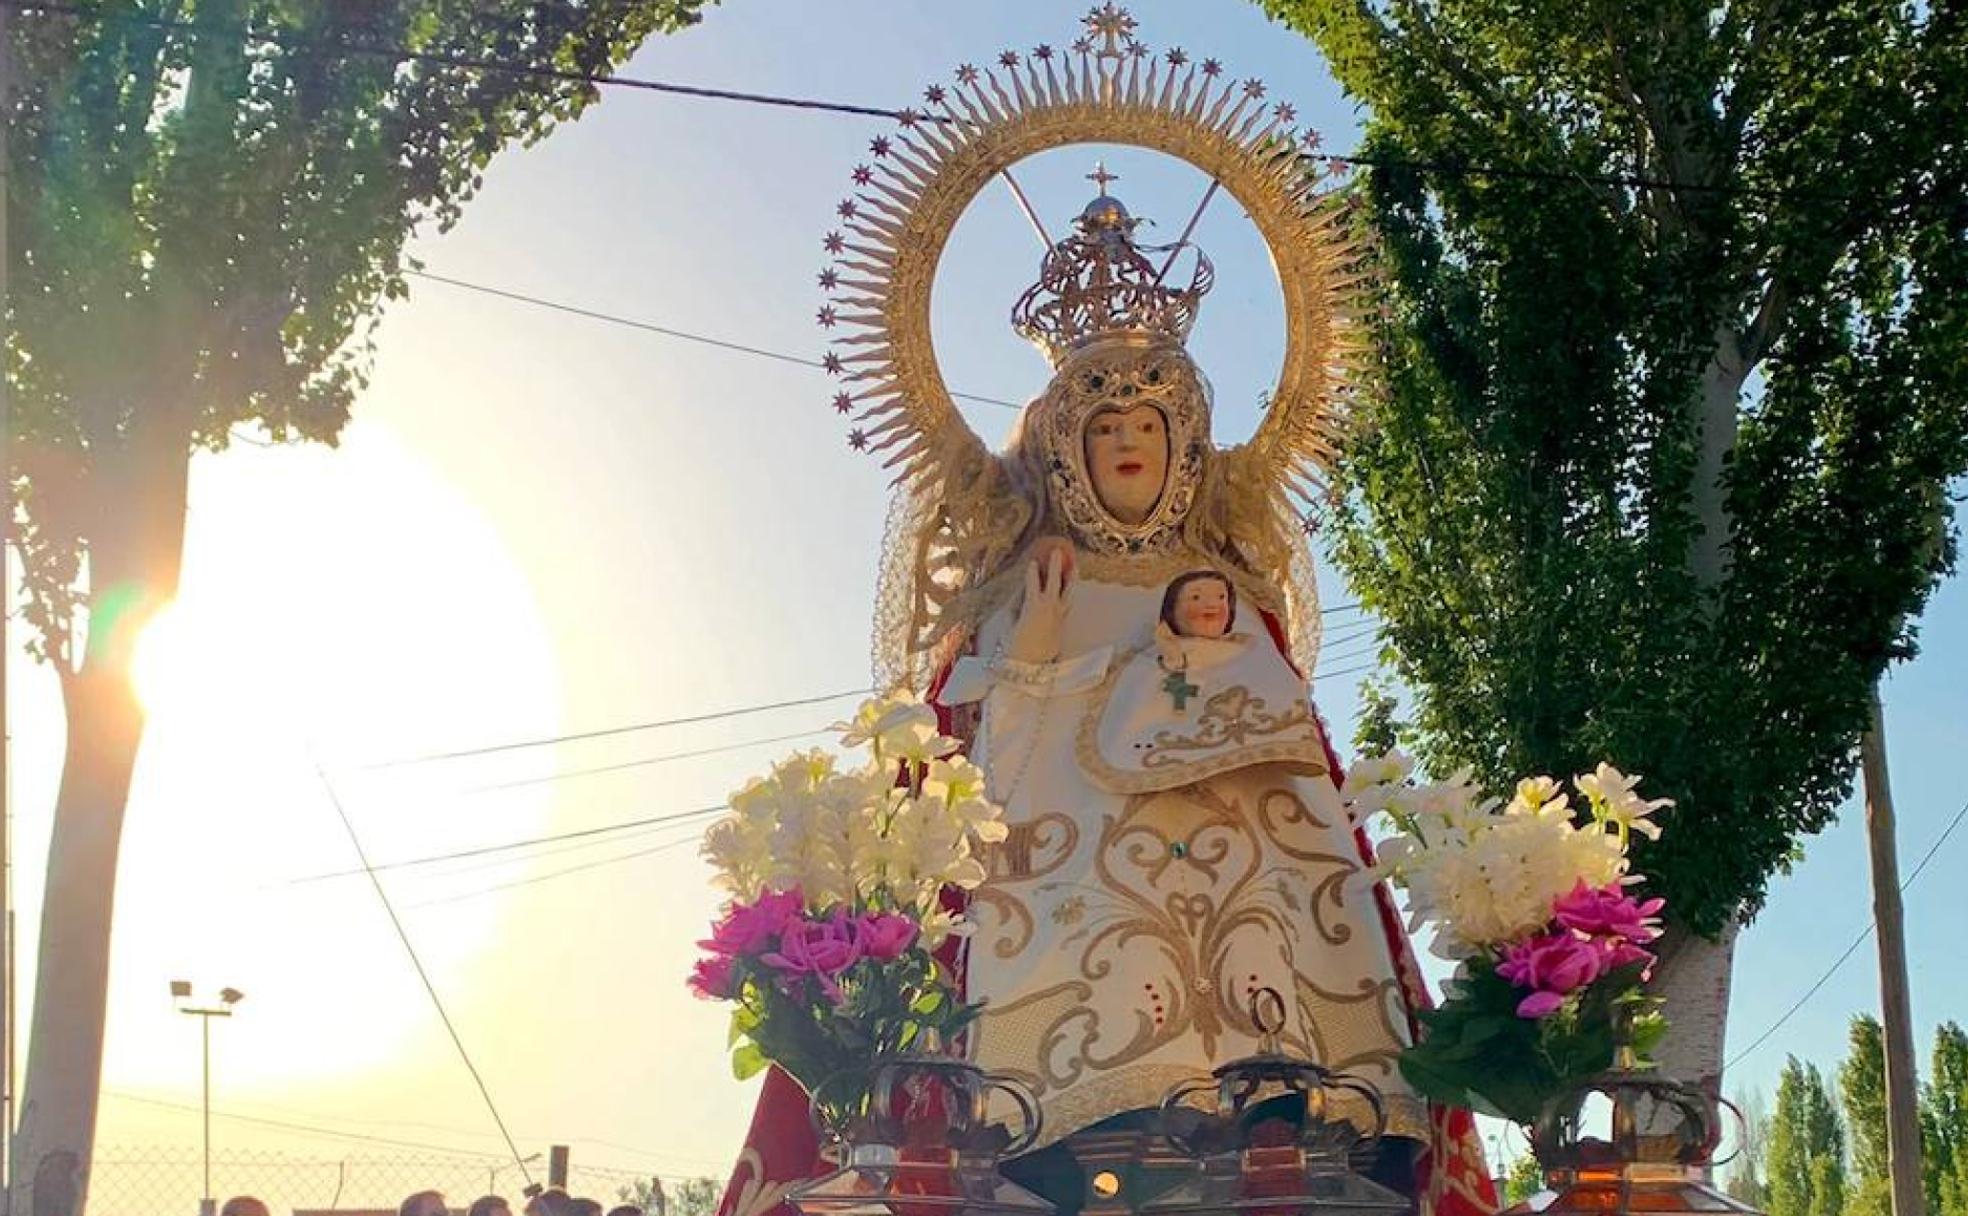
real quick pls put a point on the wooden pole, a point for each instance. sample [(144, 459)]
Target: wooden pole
[(1896, 1007)]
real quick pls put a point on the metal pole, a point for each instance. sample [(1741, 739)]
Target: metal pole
[(1895, 1003), (205, 1028)]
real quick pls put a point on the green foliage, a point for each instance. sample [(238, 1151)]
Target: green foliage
[(225, 214), (886, 1007), (1944, 1123), (1524, 1180), (1477, 1053), (1568, 363), (1805, 1162), (1862, 1088)]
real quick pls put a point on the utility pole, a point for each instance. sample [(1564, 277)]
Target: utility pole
[(228, 997), (1895, 1003)]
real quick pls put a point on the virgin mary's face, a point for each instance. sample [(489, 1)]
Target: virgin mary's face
[(1127, 456)]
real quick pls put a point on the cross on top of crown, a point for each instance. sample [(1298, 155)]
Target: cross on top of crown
[(1100, 177), (1111, 24)]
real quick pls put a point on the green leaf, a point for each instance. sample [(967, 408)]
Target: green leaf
[(747, 1061)]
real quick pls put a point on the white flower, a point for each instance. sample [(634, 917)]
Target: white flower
[(954, 777), (899, 726), (1613, 800), (1391, 768), (939, 924)]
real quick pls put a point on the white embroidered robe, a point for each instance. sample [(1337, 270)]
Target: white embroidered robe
[(1164, 866)]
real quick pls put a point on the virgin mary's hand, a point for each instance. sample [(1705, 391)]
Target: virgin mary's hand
[(1037, 636)]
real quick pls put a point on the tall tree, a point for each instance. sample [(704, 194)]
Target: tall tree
[(1747, 1172), (1862, 1088), (1672, 401), (1944, 1123), (1806, 1159), (208, 199)]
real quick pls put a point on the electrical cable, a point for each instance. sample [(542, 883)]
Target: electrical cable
[(612, 319), (402, 54), (418, 963), (486, 850), (605, 732), (1851, 949), (645, 762), (1344, 671), (476, 892)]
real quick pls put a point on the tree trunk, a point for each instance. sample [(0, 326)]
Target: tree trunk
[(1693, 974), (1693, 977), (136, 548), (64, 1059)]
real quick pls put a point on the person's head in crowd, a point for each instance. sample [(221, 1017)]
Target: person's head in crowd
[(244, 1205), (627, 1209), (584, 1207), (550, 1202), (424, 1203), (489, 1205)]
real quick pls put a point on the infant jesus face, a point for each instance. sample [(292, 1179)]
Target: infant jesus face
[(1200, 604)]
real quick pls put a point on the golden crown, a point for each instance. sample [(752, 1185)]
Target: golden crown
[(1100, 284)]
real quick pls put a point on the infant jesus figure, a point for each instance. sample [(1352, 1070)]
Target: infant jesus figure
[(1200, 698), (1198, 605)]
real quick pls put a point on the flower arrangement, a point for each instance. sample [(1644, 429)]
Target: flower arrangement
[(836, 875), (1534, 903)]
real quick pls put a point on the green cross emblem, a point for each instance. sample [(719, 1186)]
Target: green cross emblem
[(1179, 689)]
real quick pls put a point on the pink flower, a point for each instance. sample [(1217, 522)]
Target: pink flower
[(820, 948), (1556, 963), (1540, 1005), (751, 928), (886, 935), (714, 978), (1609, 911), (1621, 953)]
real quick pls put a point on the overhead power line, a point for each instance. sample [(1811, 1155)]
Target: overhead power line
[(1850, 950), (645, 762), (417, 963), (312, 1129), (605, 829), (648, 327), (474, 63), (563, 872), (606, 732)]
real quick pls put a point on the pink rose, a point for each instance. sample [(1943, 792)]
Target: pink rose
[(886, 935), (1609, 911), (820, 948), (751, 928), (713, 978), (1556, 962)]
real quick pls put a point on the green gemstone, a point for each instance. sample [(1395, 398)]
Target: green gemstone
[(1178, 850)]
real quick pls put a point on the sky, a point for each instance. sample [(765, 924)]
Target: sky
[(540, 524)]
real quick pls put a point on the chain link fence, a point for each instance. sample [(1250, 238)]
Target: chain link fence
[(168, 1181)]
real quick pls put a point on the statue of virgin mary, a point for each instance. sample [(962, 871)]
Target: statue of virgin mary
[(1118, 615)]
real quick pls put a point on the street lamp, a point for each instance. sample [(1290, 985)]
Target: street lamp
[(228, 997)]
